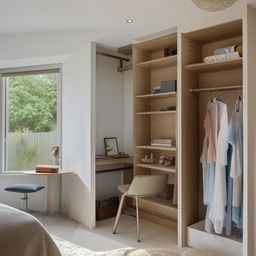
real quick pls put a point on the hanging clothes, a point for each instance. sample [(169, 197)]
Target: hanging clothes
[(217, 212), (215, 125), (235, 140)]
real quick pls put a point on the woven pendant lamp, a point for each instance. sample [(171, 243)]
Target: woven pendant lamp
[(213, 5)]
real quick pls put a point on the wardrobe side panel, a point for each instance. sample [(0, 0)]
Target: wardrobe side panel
[(188, 155), (249, 22)]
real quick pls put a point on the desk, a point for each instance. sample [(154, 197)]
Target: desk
[(114, 164), (50, 186), (108, 165)]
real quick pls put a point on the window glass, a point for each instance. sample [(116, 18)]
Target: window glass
[(31, 120)]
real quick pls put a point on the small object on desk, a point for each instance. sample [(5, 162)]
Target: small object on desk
[(120, 155), (47, 168), (147, 160), (100, 157), (111, 146)]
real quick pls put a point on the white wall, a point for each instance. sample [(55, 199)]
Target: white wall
[(114, 104), (113, 117), (75, 52)]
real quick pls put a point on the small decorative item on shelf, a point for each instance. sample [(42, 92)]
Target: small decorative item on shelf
[(174, 51), (167, 52), (147, 160), (171, 108), (157, 89), (170, 52)]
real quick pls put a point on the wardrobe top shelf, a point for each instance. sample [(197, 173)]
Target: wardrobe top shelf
[(158, 63), (157, 95), (160, 43), (215, 66)]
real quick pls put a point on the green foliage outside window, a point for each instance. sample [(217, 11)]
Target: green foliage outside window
[(32, 103)]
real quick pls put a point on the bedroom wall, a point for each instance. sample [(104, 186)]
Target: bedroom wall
[(113, 117), (76, 53)]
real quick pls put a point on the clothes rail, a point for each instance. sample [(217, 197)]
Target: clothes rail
[(215, 89)]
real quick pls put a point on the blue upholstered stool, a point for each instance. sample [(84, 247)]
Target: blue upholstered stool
[(24, 189)]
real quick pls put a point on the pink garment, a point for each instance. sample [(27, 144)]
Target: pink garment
[(211, 126)]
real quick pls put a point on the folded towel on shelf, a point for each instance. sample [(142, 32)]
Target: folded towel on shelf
[(221, 57)]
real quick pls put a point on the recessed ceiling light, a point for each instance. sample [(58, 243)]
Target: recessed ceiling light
[(129, 21)]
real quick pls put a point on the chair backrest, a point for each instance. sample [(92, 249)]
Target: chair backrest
[(146, 185)]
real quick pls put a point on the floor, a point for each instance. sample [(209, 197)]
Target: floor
[(102, 239)]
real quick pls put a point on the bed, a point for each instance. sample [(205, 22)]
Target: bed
[(22, 234)]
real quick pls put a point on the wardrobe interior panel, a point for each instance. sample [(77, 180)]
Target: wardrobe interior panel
[(189, 165)]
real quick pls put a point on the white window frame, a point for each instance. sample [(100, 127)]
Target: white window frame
[(3, 115)]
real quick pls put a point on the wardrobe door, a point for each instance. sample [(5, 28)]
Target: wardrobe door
[(249, 98)]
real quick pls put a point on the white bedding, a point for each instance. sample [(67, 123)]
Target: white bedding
[(23, 235)]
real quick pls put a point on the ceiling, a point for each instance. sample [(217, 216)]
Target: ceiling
[(105, 20)]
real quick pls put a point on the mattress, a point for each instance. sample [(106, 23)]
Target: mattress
[(23, 235)]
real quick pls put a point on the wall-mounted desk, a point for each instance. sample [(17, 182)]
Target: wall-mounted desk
[(114, 164), (108, 171)]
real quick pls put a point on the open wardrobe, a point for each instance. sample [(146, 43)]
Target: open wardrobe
[(216, 136)]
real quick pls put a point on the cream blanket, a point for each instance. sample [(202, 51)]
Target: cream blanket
[(23, 235)]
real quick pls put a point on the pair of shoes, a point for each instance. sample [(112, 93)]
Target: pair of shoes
[(167, 160)]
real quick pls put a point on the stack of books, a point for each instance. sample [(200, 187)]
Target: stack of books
[(163, 143), (47, 168)]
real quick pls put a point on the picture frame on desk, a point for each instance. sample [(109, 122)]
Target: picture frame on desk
[(111, 146)]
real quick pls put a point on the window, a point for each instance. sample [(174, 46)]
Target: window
[(32, 118)]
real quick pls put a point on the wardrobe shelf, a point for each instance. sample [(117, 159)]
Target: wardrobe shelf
[(159, 167), (157, 95), (156, 112), (158, 63), (216, 66), (157, 148)]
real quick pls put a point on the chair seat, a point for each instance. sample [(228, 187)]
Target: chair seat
[(24, 188), (124, 188)]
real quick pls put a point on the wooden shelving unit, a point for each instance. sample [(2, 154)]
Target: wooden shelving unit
[(150, 69), (216, 66)]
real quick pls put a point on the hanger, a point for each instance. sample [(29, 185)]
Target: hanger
[(238, 103)]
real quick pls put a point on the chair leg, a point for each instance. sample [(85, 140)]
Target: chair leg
[(24, 203), (119, 213), (137, 217)]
